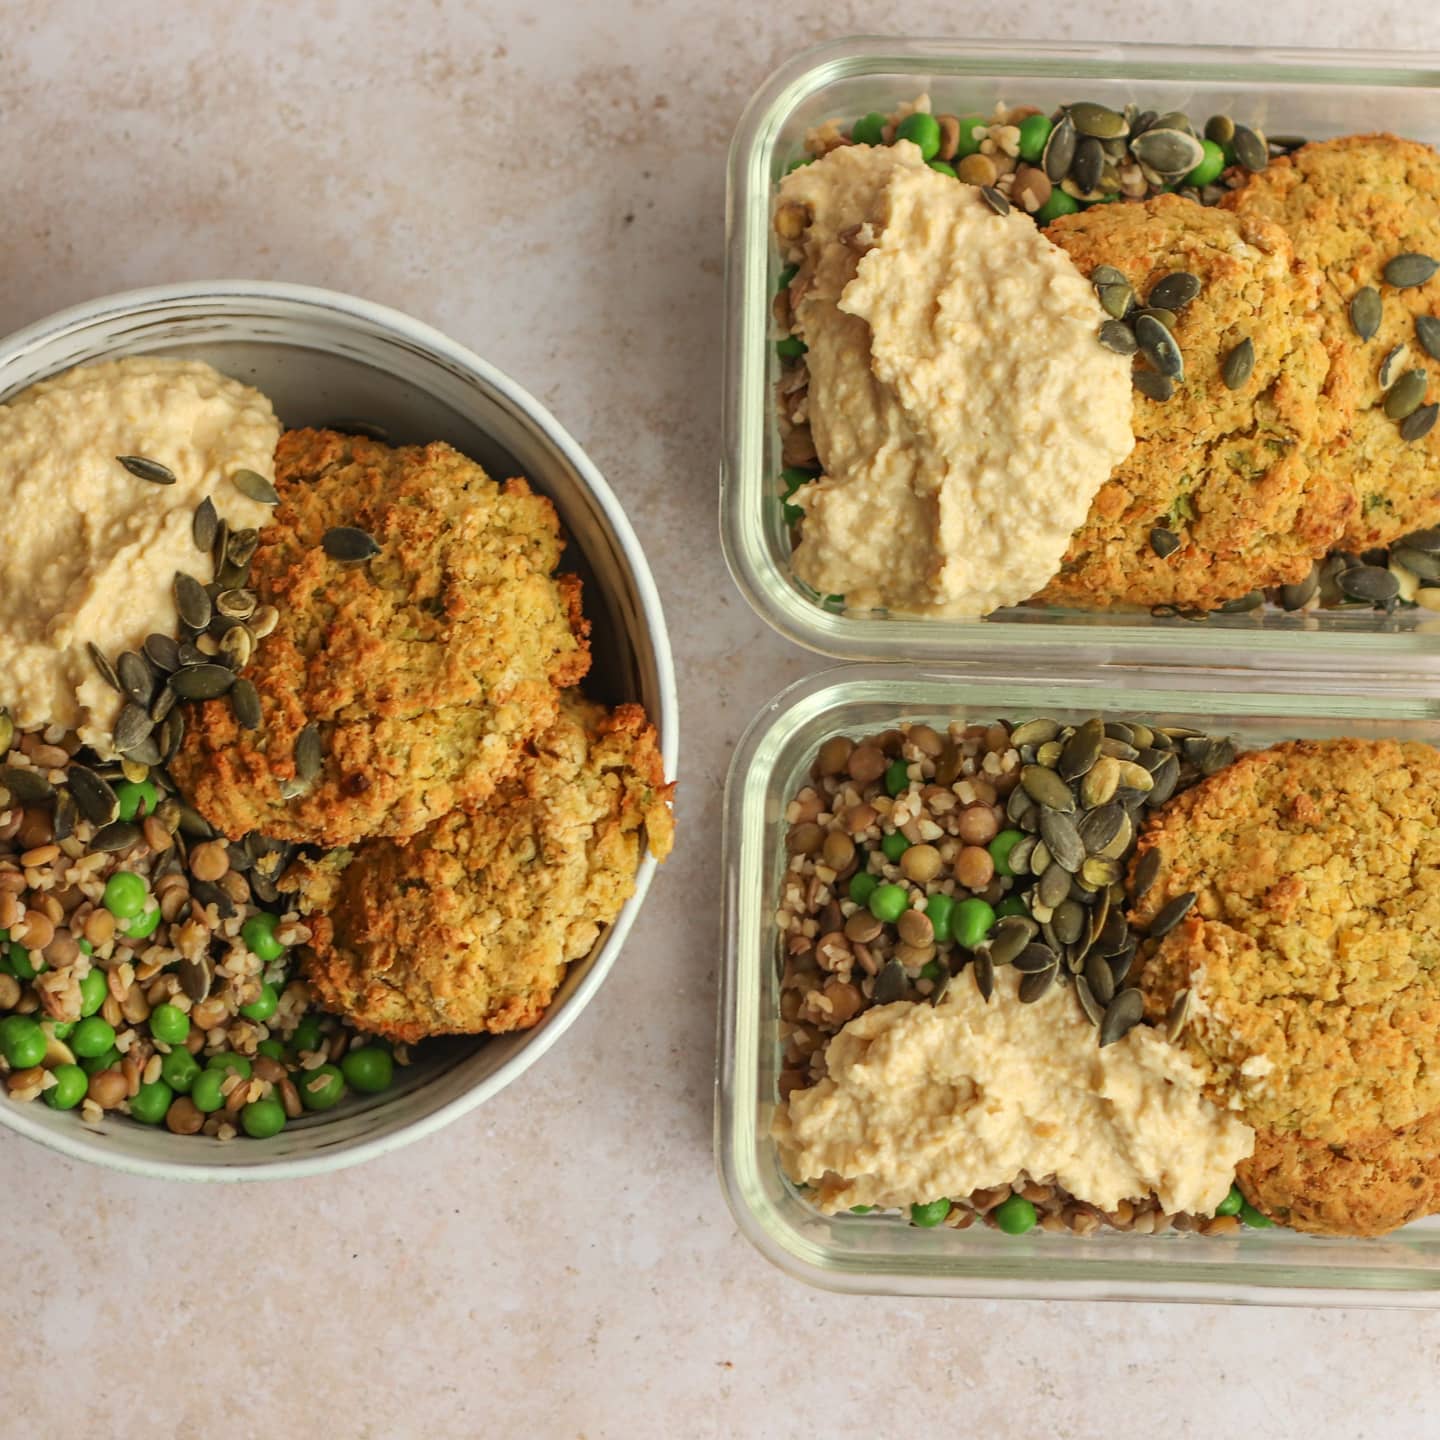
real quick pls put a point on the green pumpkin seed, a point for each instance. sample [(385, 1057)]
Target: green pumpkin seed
[(137, 680), (219, 545), (1366, 312), (162, 652), (984, 972), (1098, 870), (144, 468), (1239, 364), (1426, 540), (1100, 782), (94, 797), (1158, 346), (890, 983), (309, 756), (363, 428), (1032, 987), (1010, 936), (1369, 582), (1034, 959), (1297, 596), (1094, 1011), (1103, 275), (117, 836), (1020, 855), (1427, 332), (1054, 885), (245, 702), (1410, 269), (1164, 542), (1165, 317), (27, 786), (106, 669), (1045, 787), (1063, 839), (192, 601), (1417, 562), (1167, 151), (239, 549), (235, 604), (163, 703), (1391, 365), (348, 545), (1034, 732), (1088, 165), (170, 735), (254, 486), (1117, 336), (1059, 152), (1242, 604), (236, 647), (1251, 151), (1098, 121), (1177, 1016), (1122, 1015), (1406, 395), (1153, 386), (202, 526), (1163, 782), (132, 727), (1116, 301), (1419, 423), (1171, 914), (1174, 291), (1220, 129), (1081, 751), (995, 200), (939, 986), (206, 681), (1101, 826), (1069, 922), (1120, 965), (1174, 120)]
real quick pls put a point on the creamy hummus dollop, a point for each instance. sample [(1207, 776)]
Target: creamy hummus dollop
[(92, 550), (960, 402), (924, 1102)]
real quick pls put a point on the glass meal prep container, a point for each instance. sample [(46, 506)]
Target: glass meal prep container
[(1312, 93), (881, 1252)]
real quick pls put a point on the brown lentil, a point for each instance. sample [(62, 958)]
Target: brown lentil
[(182, 1118), (209, 861), (107, 1088)]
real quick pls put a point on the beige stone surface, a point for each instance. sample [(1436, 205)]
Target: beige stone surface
[(545, 182)]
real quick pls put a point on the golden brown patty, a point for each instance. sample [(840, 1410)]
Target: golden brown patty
[(469, 927), (1313, 957), (425, 670), (1350, 206), (1229, 472)]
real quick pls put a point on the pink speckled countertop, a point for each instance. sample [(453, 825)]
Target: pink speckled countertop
[(545, 182)]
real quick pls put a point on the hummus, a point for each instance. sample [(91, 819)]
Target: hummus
[(92, 550), (960, 402), (925, 1102)]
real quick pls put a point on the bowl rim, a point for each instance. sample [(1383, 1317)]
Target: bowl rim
[(78, 1143)]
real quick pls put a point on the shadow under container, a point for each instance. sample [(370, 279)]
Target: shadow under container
[(883, 1254), (1308, 92)]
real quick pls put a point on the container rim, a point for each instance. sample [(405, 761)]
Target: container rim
[(79, 1144)]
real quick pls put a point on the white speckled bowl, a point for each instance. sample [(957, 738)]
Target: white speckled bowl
[(322, 356)]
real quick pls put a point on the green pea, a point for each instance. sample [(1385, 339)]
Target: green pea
[(322, 1088), (228, 1062), (971, 922), (143, 924), (21, 962), (922, 130), (71, 1083), (861, 1209), (86, 947), (368, 1069), (60, 1029), (1231, 1204), (792, 347), (179, 1070), (169, 1024), (93, 991), (893, 846), (1057, 205), (1015, 1216), (125, 895), (272, 1047), (93, 1036), (889, 902), (969, 142), (261, 1119), (897, 778), (1253, 1218), (792, 478), (1034, 132), (150, 1102), (106, 1060), (943, 168), (132, 794), (308, 1034), (258, 933), (930, 970), (263, 1006), (205, 1094), (940, 910), (1012, 905), (869, 129), (22, 1042), (1209, 167), (799, 162), (783, 279), (862, 886), (1000, 848), (930, 1215)]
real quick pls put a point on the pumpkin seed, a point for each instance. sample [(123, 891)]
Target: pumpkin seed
[(1100, 782), (984, 971), (191, 655), (348, 545), (1035, 958), (1297, 596), (1251, 151), (170, 735), (1094, 1011), (1427, 567), (143, 468), (236, 646), (891, 983), (240, 547), (1120, 845), (103, 665), (1174, 120), (1427, 332), (1060, 834), (939, 986), (1045, 787), (206, 681), (1220, 129), (1419, 423), (362, 428), (1088, 165), (1164, 542), (1158, 346), (1177, 1016), (1410, 269), (1097, 870), (1169, 152), (95, 798), (118, 835), (137, 680), (1054, 885), (1143, 121), (1242, 604), (1032, 987), (1099, 980), (1017, 804), (1116, 301), (1069, 921), (1163, 782), (1034, 732), (163, 703), (1010, 936), (1080, 753), (1153, 386), (1059, 151), (27, 786), (1100, 827), (254, 486), (1366, 312), (1020, 855), (1406, 395), (190, 822), (1369, 582), (191, 601), (266, 617), (1122, 1015), (1048, 754), (1390, 365), (1171, 914), (219, 545), (308, 754), (132, 727), (236, 604), (1107, 275), (1120, 965), (1134, 776), (1097, 120), (195, 976), (1239, 364), (245, 701), (162, 652), (1426, 540), (995, 200), (1117, 336), (1174, 291)]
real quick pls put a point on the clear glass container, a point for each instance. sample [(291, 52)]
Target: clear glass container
[(1313, 93), (878, 1253)]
